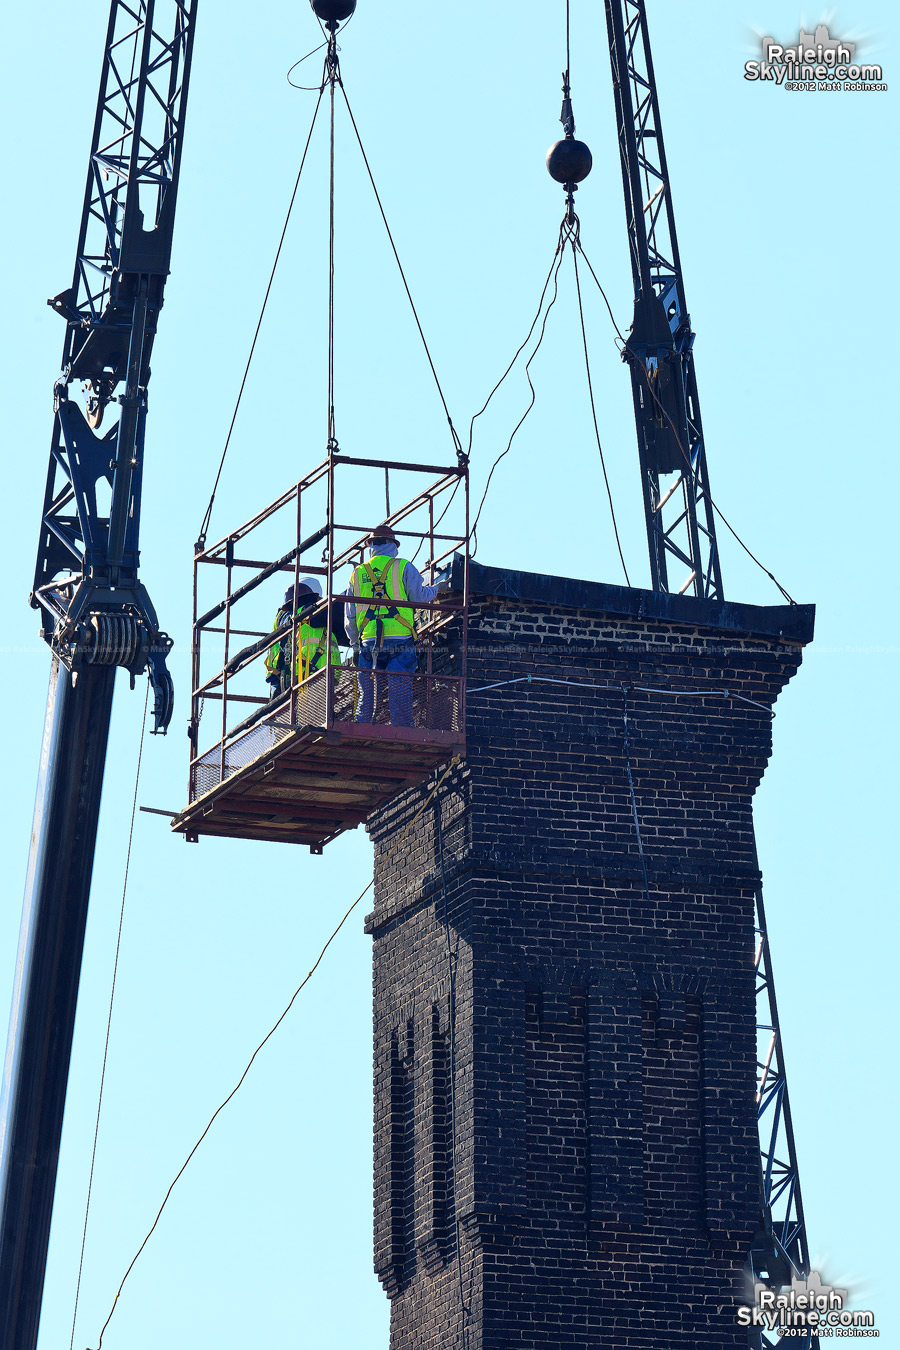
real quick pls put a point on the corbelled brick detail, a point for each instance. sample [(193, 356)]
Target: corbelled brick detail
[(604, 1188)]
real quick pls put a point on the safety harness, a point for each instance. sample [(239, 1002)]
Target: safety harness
[(382, 607), (310, 656)]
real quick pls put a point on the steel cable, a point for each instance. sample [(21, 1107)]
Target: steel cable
[(439, 518), (706, 492), (636, 688), (558, 257), (587, 366), (456, 441), (268, 1036), (307, 88), (201, 538), (713, 503), (587, 260), (331, 65), (566, 235), (311, 88), (568, 43), (521, 347)]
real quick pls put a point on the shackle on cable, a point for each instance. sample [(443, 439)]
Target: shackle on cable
[(569, 161)]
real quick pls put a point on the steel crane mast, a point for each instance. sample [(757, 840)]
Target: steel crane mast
[(780, 1250), (679, 514), (96, 613), (680, 520)]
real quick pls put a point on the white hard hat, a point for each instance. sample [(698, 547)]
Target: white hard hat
[(313, 584)]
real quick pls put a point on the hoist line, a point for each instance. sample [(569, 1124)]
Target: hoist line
[(379, 866), (457, 444), (708, 495), (439, 518), (112, 996), (307, 88), (520, 348), (587, 260), (558, 259), (331, 65), (201, 539), (587, 366), (566, 236), (718, 510), (311, 88)]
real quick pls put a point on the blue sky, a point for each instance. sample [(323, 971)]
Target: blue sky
[(784, 204)]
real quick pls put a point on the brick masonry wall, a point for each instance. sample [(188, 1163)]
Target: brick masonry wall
[(604, 1187)]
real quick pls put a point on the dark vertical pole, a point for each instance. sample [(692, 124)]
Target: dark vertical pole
[(640, 271), (128, 437), (465, 622), (329, 583), (196, 666), (229, 572), (45, 992), (294, 665)]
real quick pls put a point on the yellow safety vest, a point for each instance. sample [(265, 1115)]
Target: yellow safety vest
[(381, 580), (310, 648)]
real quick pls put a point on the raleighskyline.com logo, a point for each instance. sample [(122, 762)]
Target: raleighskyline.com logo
[(816, 61), (810, 1308)]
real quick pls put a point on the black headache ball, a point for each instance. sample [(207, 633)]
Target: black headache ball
[(569, 161), (333, 11)]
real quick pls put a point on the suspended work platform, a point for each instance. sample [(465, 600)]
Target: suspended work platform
[(303, 767)]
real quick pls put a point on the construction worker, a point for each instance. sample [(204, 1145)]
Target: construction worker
[(381, 628), (311, 638)]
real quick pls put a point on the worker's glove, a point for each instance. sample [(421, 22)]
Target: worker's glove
[(443, 588), (354, 655)]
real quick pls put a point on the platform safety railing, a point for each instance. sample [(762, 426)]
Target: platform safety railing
[(403, 706)]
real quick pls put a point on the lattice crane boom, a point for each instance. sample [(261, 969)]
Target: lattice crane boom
[(678, 510), (96, 613)]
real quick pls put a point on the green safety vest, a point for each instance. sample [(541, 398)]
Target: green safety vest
[(381, 579), (310, 648)]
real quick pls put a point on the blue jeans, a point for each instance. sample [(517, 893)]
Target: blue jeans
[(398, 660)]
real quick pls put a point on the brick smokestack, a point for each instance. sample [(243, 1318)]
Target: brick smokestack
[(603, 1186)]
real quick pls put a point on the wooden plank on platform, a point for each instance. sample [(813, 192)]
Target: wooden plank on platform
[(263, 836), (278, 791), (312, 786), (314, 780), (340, 780), (373, 759), (299, 811)]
